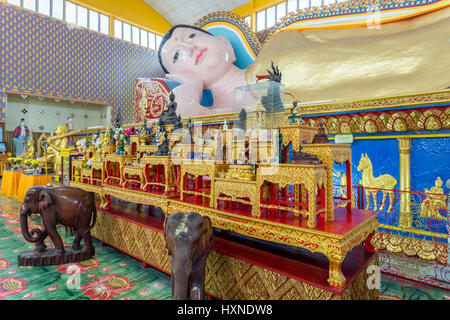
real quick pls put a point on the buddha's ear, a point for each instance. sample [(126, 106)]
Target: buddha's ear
[(229, 47)]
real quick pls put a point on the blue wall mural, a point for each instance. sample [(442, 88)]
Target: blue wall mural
[(44, 56), (430, 158), (383, 154)]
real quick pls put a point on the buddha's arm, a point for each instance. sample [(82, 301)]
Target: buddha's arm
[(188, 99)]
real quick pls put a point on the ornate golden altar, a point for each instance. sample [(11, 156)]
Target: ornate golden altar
[(168, 167), (328, 154), (257, 197)]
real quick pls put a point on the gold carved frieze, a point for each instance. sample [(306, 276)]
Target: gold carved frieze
[(238, 189), (137, 197), (386, 102), (298, 134), (292, 174), (87, 187), (330, 152), (427, 250), (419, 119)]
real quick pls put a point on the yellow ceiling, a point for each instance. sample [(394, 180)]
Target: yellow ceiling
[(140, 13), (135, 12)]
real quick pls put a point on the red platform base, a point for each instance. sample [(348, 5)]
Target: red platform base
[(239, 267)]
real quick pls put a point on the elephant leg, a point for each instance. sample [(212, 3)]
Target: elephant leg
[(40, 245), (57, 241), (86, 234), (76, 242)]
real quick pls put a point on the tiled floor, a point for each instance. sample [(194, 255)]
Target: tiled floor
[(115, 275)]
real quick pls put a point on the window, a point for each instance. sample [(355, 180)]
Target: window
[(302, 4), (291, 6), (44, 7), (248, 20), (82, 16), (126, 32), (71, 12), (144, 38), (139, 36), (329, 1), (14, 2), (68, 11), (135, 35), (29, 4), (270, 17), (93, 20), (118, 29), (104, 24), (261, 20), (281, 11), (316, 3), (151, 41), (158, 41), (58, 9)]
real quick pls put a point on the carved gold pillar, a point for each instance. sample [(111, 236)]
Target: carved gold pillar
[(404, 145)]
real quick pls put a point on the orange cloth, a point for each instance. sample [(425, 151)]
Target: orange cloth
[(28, 180), (10, 182)]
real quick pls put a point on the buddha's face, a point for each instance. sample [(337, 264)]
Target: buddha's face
[(194, 54)]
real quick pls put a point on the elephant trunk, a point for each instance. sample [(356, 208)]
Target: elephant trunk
[(181, 275), (35, 235)]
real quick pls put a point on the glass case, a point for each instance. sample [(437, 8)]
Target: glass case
[(256, 113), (256, 105)]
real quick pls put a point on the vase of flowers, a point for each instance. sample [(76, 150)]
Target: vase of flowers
[(28, 163), (15, 163), (35, 164)]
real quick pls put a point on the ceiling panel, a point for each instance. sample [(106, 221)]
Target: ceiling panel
[(189, 11)]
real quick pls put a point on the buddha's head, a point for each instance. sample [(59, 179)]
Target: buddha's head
[(61, 130), (438, 183), (191, 52)]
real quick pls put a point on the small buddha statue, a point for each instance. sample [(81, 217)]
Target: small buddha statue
[(163, 148), (178, 124), (31, 149), (169, 116), (242, 124), (321, 137)]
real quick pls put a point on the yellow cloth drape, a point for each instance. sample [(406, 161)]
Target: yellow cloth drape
[(28, 180), (10, 182)]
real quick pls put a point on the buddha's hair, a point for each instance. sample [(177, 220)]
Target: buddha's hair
[(168, 35)]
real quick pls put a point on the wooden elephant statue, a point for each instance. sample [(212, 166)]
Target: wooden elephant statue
[(71, 207), (189, 238)]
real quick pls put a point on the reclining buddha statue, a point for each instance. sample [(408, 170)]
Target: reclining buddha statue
[(351, 63)]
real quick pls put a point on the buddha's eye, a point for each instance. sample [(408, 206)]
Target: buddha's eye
[(175, 57), (191, 35)]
